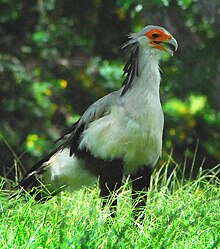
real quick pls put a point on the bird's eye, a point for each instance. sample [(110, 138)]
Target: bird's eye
[(155, 35)]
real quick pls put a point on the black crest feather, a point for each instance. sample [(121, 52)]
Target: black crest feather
[(131, 67)]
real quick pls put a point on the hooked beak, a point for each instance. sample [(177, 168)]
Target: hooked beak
[(170, 45)]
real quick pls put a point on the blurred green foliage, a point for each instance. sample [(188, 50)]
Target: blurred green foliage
[(57, 57)]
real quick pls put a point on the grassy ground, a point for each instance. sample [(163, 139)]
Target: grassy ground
[(178, 215)]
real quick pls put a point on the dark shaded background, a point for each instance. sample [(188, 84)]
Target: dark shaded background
[(57, 57)]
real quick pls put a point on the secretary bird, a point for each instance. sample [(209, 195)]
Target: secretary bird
[(120, 134)]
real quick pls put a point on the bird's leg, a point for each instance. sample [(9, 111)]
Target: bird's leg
[(110, 181), (140, 185)]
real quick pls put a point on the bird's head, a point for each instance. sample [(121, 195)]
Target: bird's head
[(154, 38)]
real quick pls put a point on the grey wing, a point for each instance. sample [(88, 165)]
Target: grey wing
[(97, 110)]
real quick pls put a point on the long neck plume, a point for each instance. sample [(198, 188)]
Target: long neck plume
[(141, 70), (142, 98), (131, 67)]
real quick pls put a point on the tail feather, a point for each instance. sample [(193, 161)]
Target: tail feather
[(33, 187), (55, 172), (32, 180), (38, 166)]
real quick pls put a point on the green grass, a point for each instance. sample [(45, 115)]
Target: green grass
[(179, 214)]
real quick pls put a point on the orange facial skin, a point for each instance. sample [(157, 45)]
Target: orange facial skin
[(157, 35)]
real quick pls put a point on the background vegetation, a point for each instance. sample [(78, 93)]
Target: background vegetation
[(57, 57)]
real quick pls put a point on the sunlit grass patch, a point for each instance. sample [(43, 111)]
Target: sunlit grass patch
[(178, 214)]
